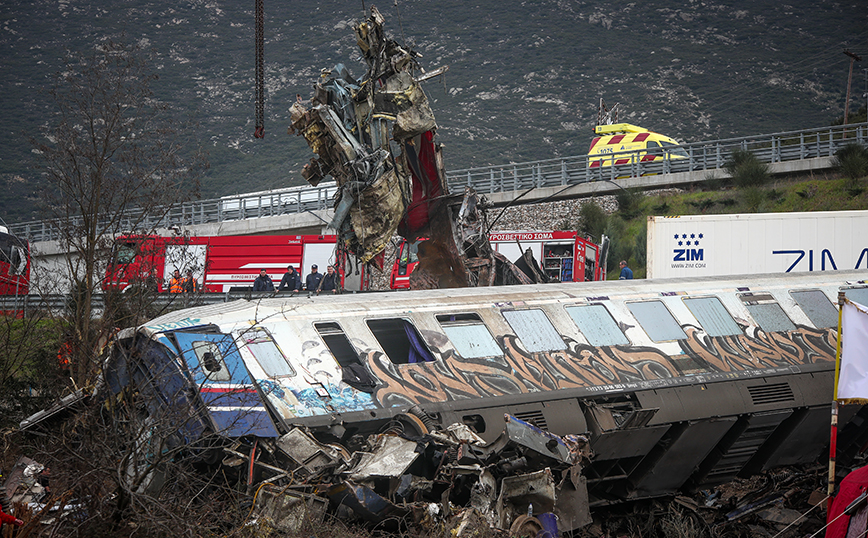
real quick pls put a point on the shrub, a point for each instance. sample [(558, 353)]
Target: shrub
[(593, 219), (852, 162), (628, 203), (746, 169), (620, 246), (753, 198)]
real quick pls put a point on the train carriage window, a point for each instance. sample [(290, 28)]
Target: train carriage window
[(469, 335), (400, 340), (534, 330), (597, 324), (353, 372), (817, 306), (767, 312), (337, 342), (211, 361), (857, 295), (267, 353), (657, 321), (712, 316)]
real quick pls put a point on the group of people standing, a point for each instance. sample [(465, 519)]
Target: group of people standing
[(314, 282), (186, 284)]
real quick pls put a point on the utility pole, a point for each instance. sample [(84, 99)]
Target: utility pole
[(853, 58)]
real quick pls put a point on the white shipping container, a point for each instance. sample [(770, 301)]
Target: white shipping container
[(710, 245)]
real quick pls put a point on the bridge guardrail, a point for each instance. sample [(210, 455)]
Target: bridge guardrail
[(57, 304), (709, 155)]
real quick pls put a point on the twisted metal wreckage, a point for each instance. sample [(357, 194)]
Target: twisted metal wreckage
[(519, 408), (375, 136)]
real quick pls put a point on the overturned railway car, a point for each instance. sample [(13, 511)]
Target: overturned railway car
[(676, 384)]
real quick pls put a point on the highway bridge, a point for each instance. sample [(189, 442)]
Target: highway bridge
[(307, 210)]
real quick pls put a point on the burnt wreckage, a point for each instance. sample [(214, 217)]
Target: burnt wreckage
[(375, 136), (521, 407)]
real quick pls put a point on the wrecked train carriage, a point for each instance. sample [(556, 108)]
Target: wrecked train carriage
[(679, 384)]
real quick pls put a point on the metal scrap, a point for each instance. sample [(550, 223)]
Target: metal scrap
[(375, 136)]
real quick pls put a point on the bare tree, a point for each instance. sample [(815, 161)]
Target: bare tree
[(114, 161)]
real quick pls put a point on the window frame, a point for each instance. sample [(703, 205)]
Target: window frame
[(504, 313), (642, 326), (468, 323)]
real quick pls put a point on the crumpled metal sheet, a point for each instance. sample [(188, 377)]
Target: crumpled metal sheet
[(289, 510), (389, 458), (365, 502), (351, 124)]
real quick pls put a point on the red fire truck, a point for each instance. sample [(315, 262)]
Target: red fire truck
[(220, 264), (564, 256), (14, 264)]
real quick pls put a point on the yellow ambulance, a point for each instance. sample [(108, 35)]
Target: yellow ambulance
[(620, 137)]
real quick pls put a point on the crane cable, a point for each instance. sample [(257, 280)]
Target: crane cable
[(259, 132)]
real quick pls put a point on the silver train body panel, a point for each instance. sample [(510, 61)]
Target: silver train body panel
[(679, 383)]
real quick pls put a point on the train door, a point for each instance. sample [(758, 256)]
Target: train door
[(224, 385)]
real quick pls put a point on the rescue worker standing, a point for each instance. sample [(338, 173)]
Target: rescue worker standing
[(263, 282), (176, 283), (626, 272), (291, 280), (189, 282), (311, 283), (329, 281)]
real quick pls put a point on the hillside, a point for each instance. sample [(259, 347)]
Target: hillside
[(524, 79)]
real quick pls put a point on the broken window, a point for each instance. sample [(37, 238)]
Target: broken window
[(657, 321), (535, 330), (337, 342), (353, 372), (766, 312), (400, 340), (857, 295), (712, 316), (817, 306), (267, 353), (211, 361), (469, 335), (598, 325)]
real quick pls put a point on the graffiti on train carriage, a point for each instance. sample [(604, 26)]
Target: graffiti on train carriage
[(580, 365)]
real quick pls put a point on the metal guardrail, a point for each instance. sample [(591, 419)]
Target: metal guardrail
[(711, 155), (58, 304)]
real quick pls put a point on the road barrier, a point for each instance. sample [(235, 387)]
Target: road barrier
[(712, 155)]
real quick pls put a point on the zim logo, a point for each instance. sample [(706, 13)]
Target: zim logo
[(684, 252)]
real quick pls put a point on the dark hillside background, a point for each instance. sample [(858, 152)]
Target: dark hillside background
[(524, 78)]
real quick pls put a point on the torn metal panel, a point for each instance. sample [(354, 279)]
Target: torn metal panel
[(289, 509), (572, 506), (389, 458), (364, 502), (483, 497), (375, 137), (532, 493), (307, 451)]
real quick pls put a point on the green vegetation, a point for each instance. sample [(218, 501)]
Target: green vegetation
[(30, 374), (627, 230), (852, 162)]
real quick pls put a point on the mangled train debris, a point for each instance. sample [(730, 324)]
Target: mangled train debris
[(375, 136), (392, 407)]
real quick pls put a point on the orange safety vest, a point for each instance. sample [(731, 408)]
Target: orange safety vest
[(176, 285)]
